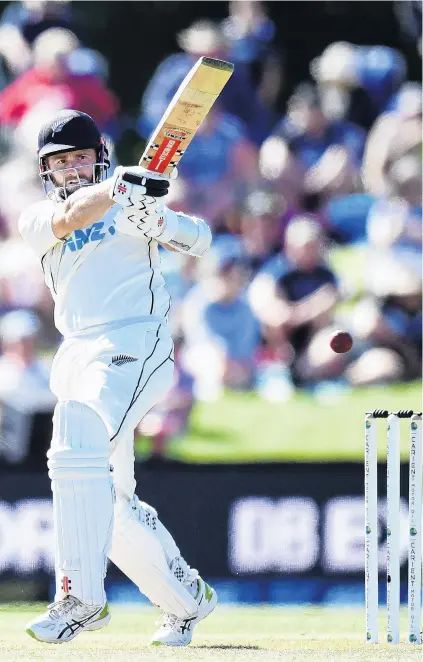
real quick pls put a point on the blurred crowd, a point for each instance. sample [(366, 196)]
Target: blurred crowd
[(316, 212)]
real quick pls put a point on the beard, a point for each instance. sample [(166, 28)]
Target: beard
[(74, 184)]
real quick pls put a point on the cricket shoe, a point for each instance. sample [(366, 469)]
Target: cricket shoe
[(65, 619), (176, 631)]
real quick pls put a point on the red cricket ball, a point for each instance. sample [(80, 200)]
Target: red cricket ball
[(341, 342)]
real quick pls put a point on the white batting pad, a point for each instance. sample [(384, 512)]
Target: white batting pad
[(78, 463), (144, 550)]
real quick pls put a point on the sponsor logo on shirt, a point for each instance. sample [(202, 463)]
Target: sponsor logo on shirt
[(79, 238)]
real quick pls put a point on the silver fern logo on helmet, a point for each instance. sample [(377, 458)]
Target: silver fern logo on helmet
[(58, 126)]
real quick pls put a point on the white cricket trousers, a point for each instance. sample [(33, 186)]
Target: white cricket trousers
[(105, 382)]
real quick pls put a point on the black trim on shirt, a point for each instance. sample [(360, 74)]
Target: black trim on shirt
[(152, 275), (137, 385), (168, 308), (51, 271), (44, 271), (60, 261), (151, 374)]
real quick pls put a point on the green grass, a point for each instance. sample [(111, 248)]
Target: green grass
[(243, 428), (231, 634)]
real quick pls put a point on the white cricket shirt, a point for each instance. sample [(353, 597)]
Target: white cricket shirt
[(96, 275)]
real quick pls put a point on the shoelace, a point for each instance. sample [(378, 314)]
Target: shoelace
[(62, 607), (171, 621), (166, 619), (192, 577)]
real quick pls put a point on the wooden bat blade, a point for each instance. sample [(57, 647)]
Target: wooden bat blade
[(185, 113)]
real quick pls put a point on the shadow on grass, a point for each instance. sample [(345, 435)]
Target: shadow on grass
[(230, 647)]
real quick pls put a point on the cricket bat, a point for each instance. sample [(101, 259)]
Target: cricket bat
[(185, 113)]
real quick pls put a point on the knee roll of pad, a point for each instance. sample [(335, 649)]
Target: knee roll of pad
[(80, 444)]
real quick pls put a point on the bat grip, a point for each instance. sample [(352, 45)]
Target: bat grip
[(132, 179)]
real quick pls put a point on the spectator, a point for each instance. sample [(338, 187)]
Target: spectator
[(334, 176), (19, 187), (216, 169), (296, 308), (21, 23), (26, 402), (308, 132), (179, 272), (239, 98), (220, 330), (32, 17), (356, 82), (335, 73), (51, 82), (396, 133), (311, 158), (261, 227), (312, 161), (251, 38), (281, 171), (346, 217), (21, 277), (380, 72), (395, 227), (388, 330)]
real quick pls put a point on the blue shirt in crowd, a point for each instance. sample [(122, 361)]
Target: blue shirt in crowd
[(235, 325), (309, 148), (209, 158), (239, 98)]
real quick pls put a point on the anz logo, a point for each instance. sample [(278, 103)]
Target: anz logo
[(79, 238)]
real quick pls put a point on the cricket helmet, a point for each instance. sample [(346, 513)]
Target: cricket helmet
[(67, 131)]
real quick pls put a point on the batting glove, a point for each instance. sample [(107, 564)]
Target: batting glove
[(129, 186)]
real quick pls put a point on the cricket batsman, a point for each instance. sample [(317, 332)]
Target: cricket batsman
[(97, 239)]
